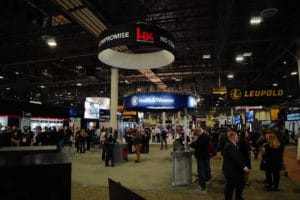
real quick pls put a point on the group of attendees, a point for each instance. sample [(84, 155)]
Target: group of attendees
[(235, 146), (13, 136)]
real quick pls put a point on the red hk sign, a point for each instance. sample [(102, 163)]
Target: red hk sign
[(144, 35)]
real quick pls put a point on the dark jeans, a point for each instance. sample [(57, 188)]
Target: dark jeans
[(236, 183), (162, 141), (82, 146), (129, 143), (273, 178), (109, 156), (204, 173)]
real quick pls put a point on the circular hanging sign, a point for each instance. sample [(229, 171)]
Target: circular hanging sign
[(150, 46)]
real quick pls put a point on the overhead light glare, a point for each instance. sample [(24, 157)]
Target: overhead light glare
[(52, 42), (7, 88), (1, 77), (247, 54), (206, 56), (230, 76), (239, 58), (42, 86), (256, 20), (294, 73), (17, 73), (79, 84), (275, 84), (284, 62), (79, 67), (35, 102)]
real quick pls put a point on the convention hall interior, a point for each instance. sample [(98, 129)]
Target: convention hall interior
[(229, 65)]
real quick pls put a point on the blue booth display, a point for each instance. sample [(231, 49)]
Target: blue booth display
[(160, 101)]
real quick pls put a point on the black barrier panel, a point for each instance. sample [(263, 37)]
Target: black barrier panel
[(117, 192), (255, 96), (34, 173)]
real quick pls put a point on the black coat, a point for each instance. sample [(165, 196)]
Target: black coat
[(201, 147), (273, 158), (233, 165)]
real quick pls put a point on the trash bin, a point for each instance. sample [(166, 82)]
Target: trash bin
[(118, 152), (182, 168)]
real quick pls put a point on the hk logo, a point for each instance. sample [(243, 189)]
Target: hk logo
[(143, 35)]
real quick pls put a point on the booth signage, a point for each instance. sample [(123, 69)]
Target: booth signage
[(255, 96), (158, 101), (149, 46)]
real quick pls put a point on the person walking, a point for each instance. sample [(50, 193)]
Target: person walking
[(233, 168), (163, 139), (245, 149), (273, 156), (137, 142)]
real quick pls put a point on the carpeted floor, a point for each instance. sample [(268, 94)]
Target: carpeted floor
[(153, 176)]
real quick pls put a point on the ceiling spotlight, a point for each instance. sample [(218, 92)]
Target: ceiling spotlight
[(126, 81), (284, 62), (69, 93), (79, 67), (79, 84), (239, 58), (101, 91), (247, 54), (256, 20), (294, 73), (275, 84), (7, 88), (42, 86), (230, 76), (206, 56), (17, 73), (1, 77), (52, 42)]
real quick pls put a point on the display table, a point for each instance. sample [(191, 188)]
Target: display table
[(182, 168), (34, 173)]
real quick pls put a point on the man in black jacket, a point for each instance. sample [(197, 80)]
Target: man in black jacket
[(202, 155), (233, 168)]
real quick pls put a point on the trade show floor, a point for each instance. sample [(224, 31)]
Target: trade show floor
[(152, 178)]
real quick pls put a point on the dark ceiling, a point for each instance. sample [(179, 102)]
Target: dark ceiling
[(219, 28)]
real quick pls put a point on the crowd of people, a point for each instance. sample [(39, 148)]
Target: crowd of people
[(14, 136), (235, 146)]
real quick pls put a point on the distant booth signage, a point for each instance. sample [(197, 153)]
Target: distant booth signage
[(254, 96), (159, 101)]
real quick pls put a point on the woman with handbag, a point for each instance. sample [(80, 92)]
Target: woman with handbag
[(273, 160)]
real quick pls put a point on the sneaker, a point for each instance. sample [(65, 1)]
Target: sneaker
[(202, 190)]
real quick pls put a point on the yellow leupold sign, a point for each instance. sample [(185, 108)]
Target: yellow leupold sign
[(237, 94), (263, 93)]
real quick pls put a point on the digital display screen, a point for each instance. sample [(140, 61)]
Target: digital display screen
[(250, 116), (93, 105)]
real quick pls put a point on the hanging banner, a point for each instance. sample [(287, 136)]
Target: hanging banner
[(254, 96), (160, 101)]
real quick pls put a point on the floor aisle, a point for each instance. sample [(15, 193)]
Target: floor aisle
[(153, 176)]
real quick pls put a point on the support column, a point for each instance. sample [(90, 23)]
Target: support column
[(163, 116), (298, 59), (114, 97)]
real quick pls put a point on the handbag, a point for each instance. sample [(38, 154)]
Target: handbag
[(263, 164)]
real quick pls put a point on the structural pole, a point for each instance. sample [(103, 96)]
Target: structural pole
[(114, 98)]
